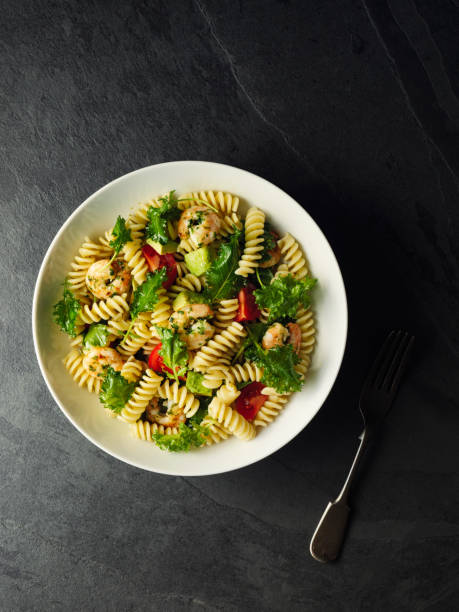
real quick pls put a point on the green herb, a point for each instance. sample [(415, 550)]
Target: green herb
[(184, 440), (194, 384), (264, 276), (278, 363), (269, 243), (174, 352), (283, 296), (196, 220), (221, 280), (157, 228), (146, 295), (121, 236), (115, 391), (194, 297), (97, 335), (66, 310)]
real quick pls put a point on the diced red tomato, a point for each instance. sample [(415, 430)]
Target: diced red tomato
[(155, 261), (248, 309), (251, 400), (156, 362)]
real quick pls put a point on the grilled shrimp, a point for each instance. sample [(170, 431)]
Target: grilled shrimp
[(277, 335), (294, 336), (165, 413), (98, 358), (200, 224), (274, 336), (181, 319), (198, 334), (104, 279)]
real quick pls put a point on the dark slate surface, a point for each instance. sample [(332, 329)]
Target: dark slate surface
[(351, 108)]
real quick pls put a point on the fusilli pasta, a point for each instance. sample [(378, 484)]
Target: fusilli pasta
[(254, 229)]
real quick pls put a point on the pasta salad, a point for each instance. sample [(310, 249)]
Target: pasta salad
[(191, 322)]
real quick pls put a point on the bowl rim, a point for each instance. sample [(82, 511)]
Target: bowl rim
[(90, 437)]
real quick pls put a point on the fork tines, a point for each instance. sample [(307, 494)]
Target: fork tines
[(388, 368)]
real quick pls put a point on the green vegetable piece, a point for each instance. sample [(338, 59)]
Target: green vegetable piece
[(185, 440), (121, 236), (97, 335), (157, 229), (181, 301), (194, 384), (115, 391), (221, 280), (174, 352), (161, 249), (146, 295), (263, 276), (66, 310), (283, 296), (199, 261), (278, 363)]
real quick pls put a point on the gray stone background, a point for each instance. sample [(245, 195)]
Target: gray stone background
[(353, 109)]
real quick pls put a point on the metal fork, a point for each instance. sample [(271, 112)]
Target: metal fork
[(378, 393)]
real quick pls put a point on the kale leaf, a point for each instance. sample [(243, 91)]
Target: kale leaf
[(221, 280), (66, 310), (97, 335), (184, 440), (278, 363), (157, 229), (283, 296), (174, 352), (146, 295), (121, 236), (115, 391)]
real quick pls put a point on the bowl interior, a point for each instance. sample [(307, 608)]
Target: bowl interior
[(93, 218)]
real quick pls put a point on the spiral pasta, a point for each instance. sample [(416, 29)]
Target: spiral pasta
[(220, 348), (180, 396), (144, 430), (112, 308), (221, 411), (189, 282), (270, 409), (73, 361), (132, 369), (145, 390), (238, 373), (133, 256), (293, 256), (139, 335), (225, 203), (118, 327), (226, 313), (161, 312), (88, 253), (216, 432), (254, 229)]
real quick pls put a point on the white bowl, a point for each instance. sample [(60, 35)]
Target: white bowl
[(94, 217)]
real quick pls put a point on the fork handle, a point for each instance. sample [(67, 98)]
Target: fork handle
[(329, 535)]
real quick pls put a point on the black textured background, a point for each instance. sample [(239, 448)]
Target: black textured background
[(353, 109)]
